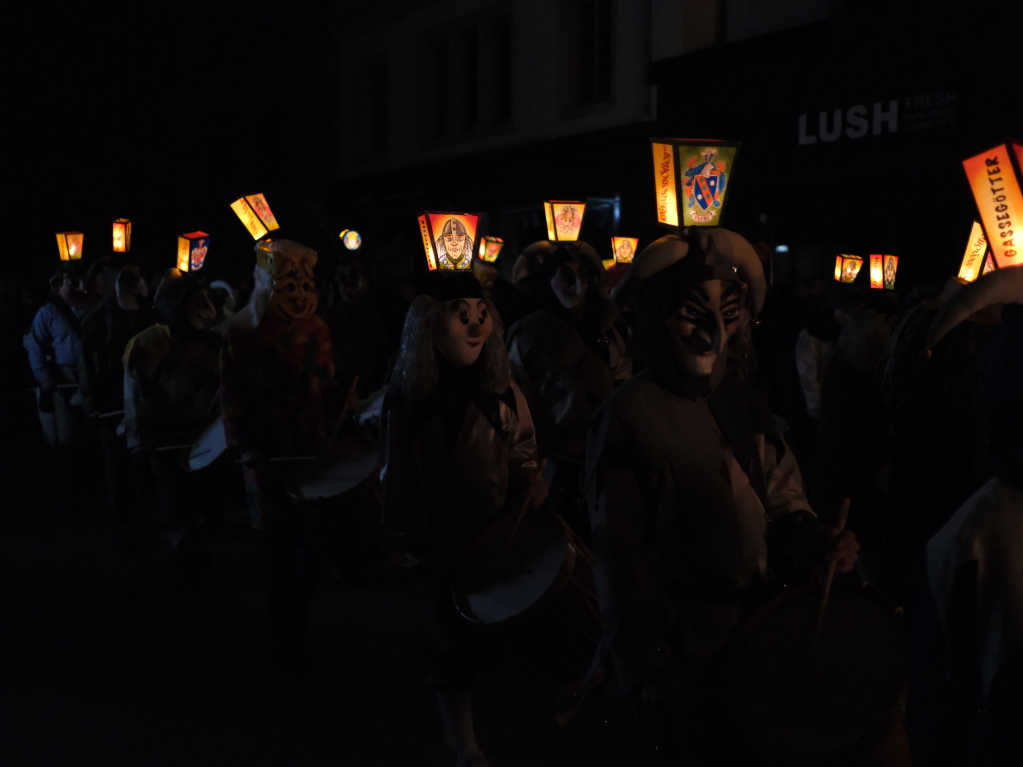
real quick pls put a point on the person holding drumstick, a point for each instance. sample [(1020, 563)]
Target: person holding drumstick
[(459, 450), (694, 496)]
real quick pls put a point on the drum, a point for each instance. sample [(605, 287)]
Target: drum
[(793, 695), (531, 579), (209, 448)]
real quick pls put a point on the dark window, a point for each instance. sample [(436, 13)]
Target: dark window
[(589, 52), (374, 109)]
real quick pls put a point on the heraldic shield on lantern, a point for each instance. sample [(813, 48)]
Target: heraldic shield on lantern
[(448, 239), (691, 178)]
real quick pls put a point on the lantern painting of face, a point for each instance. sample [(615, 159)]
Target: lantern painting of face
[(569, 222), (700, 329), (466, 329), (624, 249), (454, 246), (351, 239), (890, 264), (292, 287), (198, 254), (493, 250)]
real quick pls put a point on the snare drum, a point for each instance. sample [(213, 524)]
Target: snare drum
[(532, 579), (209, 448)]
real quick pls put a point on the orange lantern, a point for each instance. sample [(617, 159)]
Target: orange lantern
[(192, 250), (882, 271), (69, 244), (351, 239), (255, 214), (624, 249), (490, 248), (691, 179), (994, 178), (847, 267), (564, 219), (448, 239), (122, 235), (973, 258)]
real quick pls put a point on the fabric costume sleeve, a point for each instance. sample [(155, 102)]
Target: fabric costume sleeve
[(138, 430), (809, 372), (233, 400), (523, 461), (38, 343)]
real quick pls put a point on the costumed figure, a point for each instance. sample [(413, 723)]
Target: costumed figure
[(459, 451), (278, 392), (251, 314), (567, 366), (693, 494)]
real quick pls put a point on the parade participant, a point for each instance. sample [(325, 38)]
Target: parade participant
[(459, 450), (251, 313), (170, 388), (692, 491), (278, 393), (566, 367)]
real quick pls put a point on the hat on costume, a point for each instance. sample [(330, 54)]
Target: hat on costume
[(448, 284)]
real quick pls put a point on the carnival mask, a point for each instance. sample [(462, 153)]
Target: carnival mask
[(466, 328), (700, 329), (569, 285), (292, 287)]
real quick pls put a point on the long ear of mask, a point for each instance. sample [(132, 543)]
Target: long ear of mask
[(1002, 286), (728, 248)]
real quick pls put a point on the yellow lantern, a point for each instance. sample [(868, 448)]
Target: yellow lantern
[(192, 250), (122, 235), (691, 180), (847, 267), (490, 248), (882, 271), (624, 249), (973, 258), (351, 239), (69, 244), (448, 239), (876, 272), (564, 219), (608, 263), (994, 178), (255, 214)]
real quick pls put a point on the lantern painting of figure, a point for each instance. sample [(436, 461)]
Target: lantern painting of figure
[(564, 219), (192, 249), (994, 178), (989, 264), (448, 239), (691, 180), (624, 249), (69, 244), (255, 214), (351, 239), (122, 235), (891, 265), (973, 258), (847, 267), (490, 248)]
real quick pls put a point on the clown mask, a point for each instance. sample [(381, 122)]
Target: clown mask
[(466, 328), (292, 287), (705, 321)]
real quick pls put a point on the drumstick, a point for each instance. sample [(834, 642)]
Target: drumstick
[(843, 515), (111, 414), (344, 413)]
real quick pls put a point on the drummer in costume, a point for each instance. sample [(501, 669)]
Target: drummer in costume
[(278, 392), (459, 451), (170, 393), (693, 493)]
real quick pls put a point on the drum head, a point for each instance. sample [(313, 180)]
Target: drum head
[(505, 576), (210, 446), (337, 478), (794, 696)]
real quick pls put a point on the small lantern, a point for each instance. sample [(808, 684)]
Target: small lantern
[(973, 258), (70, 245), (882, 271), (564, 219), (351, 239), (691, 179), (122, 235), (624, 249), (847, 267), (490, 248), (994, 178), (255, 214), (448, 239), (989, 264), (192, 249)]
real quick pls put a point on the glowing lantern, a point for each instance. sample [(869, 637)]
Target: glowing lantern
[(994, 178), (490, 248), (255, 214), (70, 245), (691, 179), (989, 263), (448, 239), (122, 235), (564, 219), (351, 239), (973, 258), (624, 249), (847, 267), (607, 263), (192, 249), (882, 271)]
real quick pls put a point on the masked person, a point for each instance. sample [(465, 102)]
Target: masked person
[(251, 313), (567, 366), (459, 451), (278, 394), (171, 379), (692, 490)]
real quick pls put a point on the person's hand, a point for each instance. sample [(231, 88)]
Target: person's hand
[(536, 493), (842, 549), (49, 385)]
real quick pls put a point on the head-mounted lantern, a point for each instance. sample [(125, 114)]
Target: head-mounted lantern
[(882, 271), (564, 219), (351, 239), (255, 214), (448, 239), (490, 248), (691, 180), (847, 267), (69, 245), (994, 178), (192, 250), (122, 235)]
